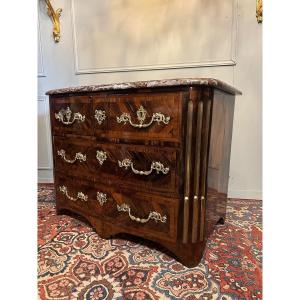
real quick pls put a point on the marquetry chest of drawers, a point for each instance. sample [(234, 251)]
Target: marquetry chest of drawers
[(149, 159)]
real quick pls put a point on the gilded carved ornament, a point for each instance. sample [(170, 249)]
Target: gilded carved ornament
[(54, 15), (259, 11)]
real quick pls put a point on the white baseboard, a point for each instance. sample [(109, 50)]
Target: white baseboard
[(45, 180), (245, 194), (45, 176)]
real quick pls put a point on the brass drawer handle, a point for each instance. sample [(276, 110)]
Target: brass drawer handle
[(156, 165), (100, 116), (141, 116), (154, 215), (101, 156), (102, 198), (68, 114), (78, 156), (80, 195)]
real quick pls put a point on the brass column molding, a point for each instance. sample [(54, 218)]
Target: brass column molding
[(54, 15), (205, 145), (197, 172), (188, 149)]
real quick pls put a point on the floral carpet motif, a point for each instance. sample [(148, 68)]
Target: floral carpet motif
[(75, 263)]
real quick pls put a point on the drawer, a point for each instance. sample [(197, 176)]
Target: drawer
[(130, 211), (71, 115), (140, 213), (137, 166), (145, 116), (73, 156)]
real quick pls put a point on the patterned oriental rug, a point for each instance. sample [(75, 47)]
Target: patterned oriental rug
[(75, 263)]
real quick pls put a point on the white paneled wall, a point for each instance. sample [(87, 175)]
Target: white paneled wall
[(147, 35), (44, 141), (104, 41)]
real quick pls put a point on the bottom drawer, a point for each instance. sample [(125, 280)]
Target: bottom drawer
[(128, 211)]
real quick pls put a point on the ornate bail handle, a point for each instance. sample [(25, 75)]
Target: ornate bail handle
[(155, 165), (67, 113), (78, 156), (80, 195), (100, 116), (141, 116), (154, 215)]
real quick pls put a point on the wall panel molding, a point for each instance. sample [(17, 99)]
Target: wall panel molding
[(226, 61), (216, 63), (41, 68), (47, 138)]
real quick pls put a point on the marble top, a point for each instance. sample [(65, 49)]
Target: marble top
[(149, 84)]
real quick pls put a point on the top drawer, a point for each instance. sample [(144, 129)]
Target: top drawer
[(144, 116), (71, 115)]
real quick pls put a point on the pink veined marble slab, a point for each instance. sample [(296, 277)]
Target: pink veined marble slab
[(149, 84)]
